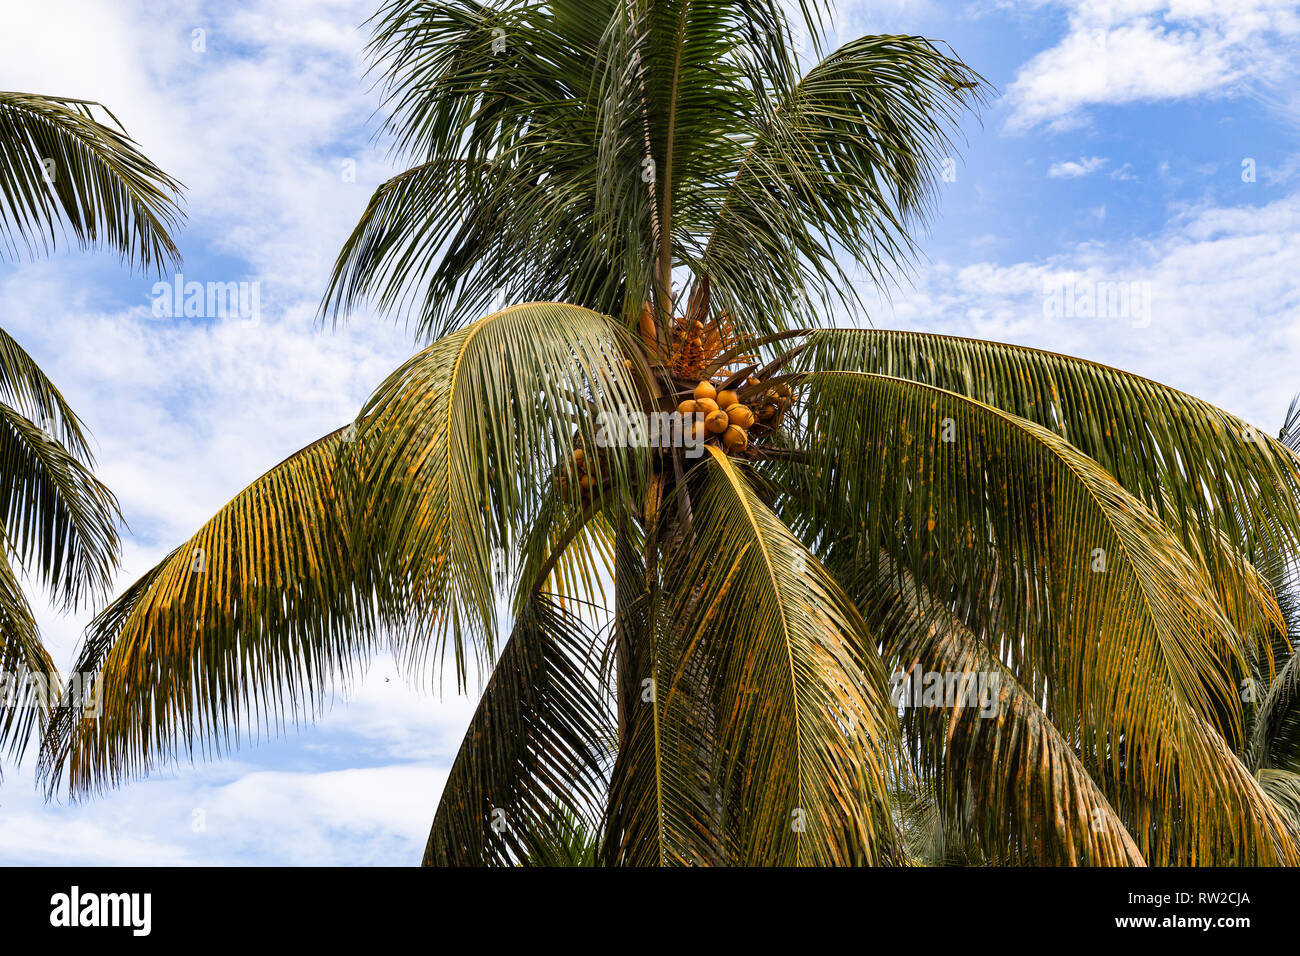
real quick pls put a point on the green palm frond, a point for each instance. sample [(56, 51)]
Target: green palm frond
[(582, 151), (257, 616), (26, 669), (1098, 606), (1283, 788), (802, 723), (462, 443), (840, 167), (511, 197), (1199, 468), (566, 840), (59, 165), (535, 751), (60, 522), (933, 837), (1274, 740), (27, 389)]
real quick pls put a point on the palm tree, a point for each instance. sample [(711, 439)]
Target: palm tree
[(701, 652), (60, 168)]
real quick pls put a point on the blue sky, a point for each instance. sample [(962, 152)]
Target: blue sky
[(1112, 152)]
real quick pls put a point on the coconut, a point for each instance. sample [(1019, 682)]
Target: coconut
[(705, 405), (727, 398), (735, 438), (705, 390), (740, 415), (717, 422), (687, 407)]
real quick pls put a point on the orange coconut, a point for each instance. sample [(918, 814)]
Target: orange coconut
[(740, 415), (717, 422)]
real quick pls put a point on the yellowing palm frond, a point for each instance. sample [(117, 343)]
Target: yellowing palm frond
[(1203, 471), (800, 723), (993, 757), (251, 619), (1098, 602)]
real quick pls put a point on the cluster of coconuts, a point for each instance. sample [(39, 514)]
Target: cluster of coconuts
[(730, 420), (726, 420)]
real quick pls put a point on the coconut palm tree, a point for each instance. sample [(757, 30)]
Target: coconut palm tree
[(708, 629), (61, 168)]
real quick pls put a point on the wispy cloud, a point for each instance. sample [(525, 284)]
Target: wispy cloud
[(1072, 169)]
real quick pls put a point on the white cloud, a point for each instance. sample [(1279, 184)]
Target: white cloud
[(1130, 51), (1224, 322), (1073, 170)]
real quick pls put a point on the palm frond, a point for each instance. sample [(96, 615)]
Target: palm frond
[(26, 669), (840, 166), (27, 389), (60, 522), (535, 751), (59, 165), (1283, 788), (663, 798), (992, 757), (802, 719), (1205, 472), (1097, 609), (462, 443), (582, 151), (1274, 739), (256, 617), (511, 200)]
